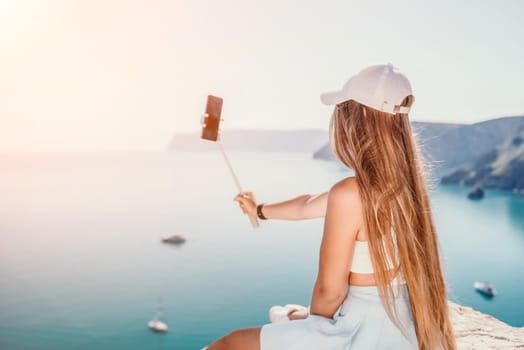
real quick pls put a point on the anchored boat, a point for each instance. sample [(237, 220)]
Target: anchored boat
[(175, 239), (485, 288), (156, 325)]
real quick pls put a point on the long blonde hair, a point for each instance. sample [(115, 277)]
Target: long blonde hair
[(382, 151)]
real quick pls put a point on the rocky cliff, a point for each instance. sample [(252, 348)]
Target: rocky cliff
[(475, 330), (502, 167)]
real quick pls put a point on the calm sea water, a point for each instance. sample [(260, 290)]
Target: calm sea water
[(82, 265)]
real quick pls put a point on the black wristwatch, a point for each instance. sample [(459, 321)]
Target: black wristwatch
[(259, 212)]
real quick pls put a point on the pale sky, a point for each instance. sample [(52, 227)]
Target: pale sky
[(81, 75)]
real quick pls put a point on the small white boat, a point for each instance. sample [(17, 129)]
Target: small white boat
[(485, 288), (156, 325)]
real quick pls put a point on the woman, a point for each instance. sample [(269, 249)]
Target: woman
[(380, 283)]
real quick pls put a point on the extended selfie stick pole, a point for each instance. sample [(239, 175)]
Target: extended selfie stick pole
[(254, 220), (210, 121)]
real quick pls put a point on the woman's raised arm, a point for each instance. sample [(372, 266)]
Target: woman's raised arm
[(305, 206)]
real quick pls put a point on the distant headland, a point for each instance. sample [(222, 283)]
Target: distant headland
[(489, 154)]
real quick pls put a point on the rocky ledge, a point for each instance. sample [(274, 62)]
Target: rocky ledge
[(475, 330)]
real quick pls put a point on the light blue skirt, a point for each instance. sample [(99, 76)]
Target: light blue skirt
[(360, 322)]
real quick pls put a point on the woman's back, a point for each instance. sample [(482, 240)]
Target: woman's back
[(361, 267), (360, 321)]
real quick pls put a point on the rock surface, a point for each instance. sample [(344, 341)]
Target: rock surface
[(501, 168), (475, 330)]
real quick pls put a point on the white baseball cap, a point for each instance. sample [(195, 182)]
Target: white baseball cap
[(382, 87)]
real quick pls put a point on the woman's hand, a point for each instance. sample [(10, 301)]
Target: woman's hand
[(247, 203), (296, 314)]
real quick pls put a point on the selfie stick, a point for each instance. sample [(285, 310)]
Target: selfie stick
[(254, 221), (210, 121)]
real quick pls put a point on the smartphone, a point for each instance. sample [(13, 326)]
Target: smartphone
[(212, 121)]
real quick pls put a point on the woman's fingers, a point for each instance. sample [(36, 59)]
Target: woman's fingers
[(297, 314), (247, 202), (241, 202), (239, 197), (292, 314), (243, 197)]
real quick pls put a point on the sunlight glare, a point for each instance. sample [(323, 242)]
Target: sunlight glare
[(7, 11)]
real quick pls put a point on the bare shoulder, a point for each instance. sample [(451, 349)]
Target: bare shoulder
[(347, 187), (345, 193)]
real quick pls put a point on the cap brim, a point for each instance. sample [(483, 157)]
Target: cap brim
[(331, 97)]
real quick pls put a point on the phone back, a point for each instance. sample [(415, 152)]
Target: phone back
[(212, 122)]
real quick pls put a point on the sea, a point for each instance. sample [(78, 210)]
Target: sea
[(83, 266)]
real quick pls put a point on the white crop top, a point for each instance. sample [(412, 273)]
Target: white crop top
[(362, 259)]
